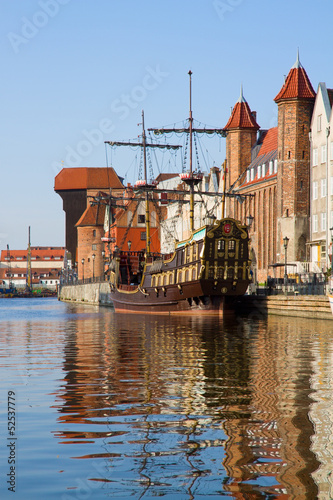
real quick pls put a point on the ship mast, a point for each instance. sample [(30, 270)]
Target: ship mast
[(190, 178), (144, 184)]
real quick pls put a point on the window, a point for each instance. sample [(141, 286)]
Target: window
[(143, 235), (259, 171), (248, 173), (94, 233), (323, 221), (263, 170), (252, 174), (94, 247), (318, 123), (323, 187), (315, 190), (315, 223), (141, 219), (275, 166), (315, 157), (323, 154), (270, 167)]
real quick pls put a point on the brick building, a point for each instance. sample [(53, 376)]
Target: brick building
[(76, 186), (47, 264), (274, 165)]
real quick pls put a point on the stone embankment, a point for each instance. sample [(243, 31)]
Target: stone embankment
[(304, 306), (97, 294)]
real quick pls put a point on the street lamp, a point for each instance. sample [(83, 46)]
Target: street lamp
[(93, 259), (285, 244), (129, 244), (82, 262), (249, 221), (103, 263)]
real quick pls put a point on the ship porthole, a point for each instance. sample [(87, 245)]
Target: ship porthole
[(224, 289)]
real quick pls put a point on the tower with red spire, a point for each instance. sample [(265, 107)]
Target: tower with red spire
[(295, 105), (241, 132)]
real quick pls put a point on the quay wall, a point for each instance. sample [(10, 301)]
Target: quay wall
[(88, 293), (302, 306)]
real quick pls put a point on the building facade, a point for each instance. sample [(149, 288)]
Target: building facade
[(322, 179), (278, 174)]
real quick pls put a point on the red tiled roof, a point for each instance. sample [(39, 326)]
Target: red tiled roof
[(269, 143), (241, 116), (297, 85), (39, 253), (87, 178), (92, 216)]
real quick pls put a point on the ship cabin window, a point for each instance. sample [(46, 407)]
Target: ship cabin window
[(165, 279), (220, 245), (195, 248), (220, 272), (210, 272), (231, 245), (153, 281), (194, 274), (187, 275), (230, 272)]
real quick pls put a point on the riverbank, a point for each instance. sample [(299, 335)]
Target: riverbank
[(305, 306), (87, 293), (302, 306)]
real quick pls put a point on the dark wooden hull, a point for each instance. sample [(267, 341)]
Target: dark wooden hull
[(204, 276)]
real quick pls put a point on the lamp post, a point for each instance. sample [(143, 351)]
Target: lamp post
[(93, 259), (103, 263), (249, 221), (285, 244), (129, 244), (82, 262)]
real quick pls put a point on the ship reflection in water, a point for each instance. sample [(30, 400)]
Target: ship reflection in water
[(188, 407)]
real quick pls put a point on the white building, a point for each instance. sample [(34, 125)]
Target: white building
[(321, 206)]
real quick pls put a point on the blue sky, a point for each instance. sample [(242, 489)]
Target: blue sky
[(78, 72)]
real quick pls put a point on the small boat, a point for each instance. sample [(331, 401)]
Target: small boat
[(205, 272)]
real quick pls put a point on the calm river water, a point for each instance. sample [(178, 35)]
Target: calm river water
[(120, 406)]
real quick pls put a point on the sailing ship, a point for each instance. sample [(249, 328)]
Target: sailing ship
[(205, 272)]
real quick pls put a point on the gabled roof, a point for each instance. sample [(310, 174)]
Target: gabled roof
[(92, 216), (241, 116), (297, 84), (69, 179)]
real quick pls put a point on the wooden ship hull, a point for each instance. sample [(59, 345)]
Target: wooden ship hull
[(204, 275)]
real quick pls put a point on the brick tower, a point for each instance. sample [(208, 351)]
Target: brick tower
[(90, 230), (295, 104), (241, 136)]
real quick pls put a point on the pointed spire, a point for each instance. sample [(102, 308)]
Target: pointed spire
[(297, 84), (297, 63), (241, 96), (241, 115)]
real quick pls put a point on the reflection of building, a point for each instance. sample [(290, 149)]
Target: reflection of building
[(193, 389)]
